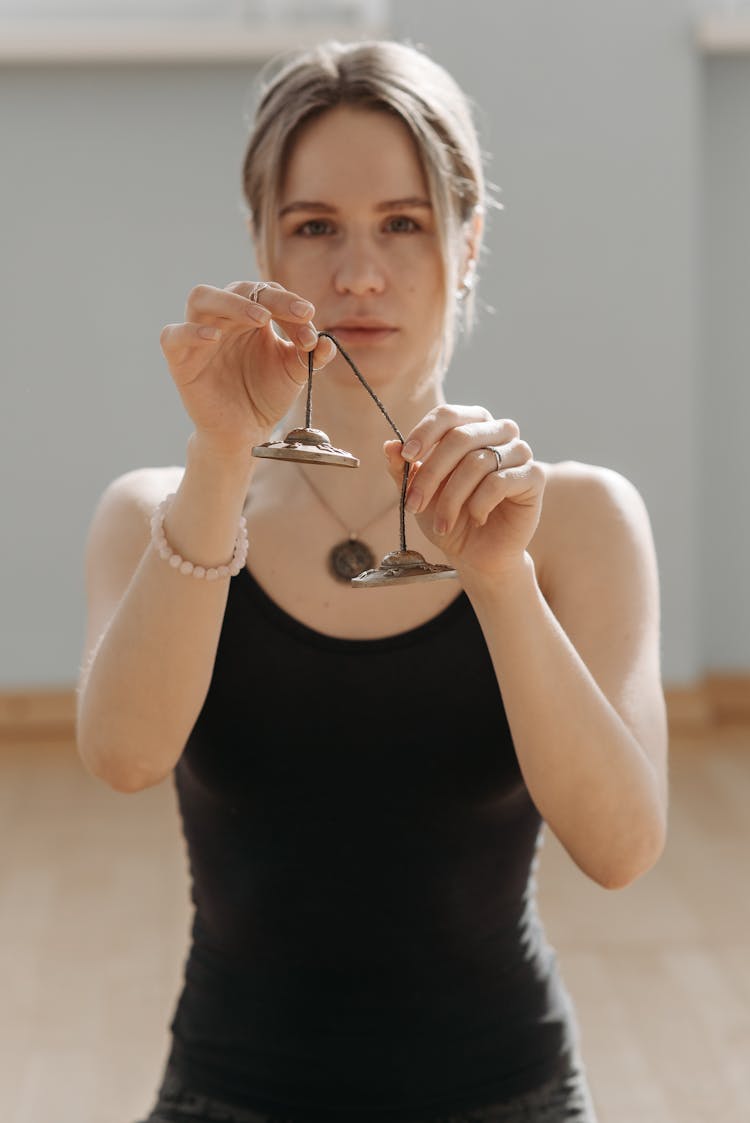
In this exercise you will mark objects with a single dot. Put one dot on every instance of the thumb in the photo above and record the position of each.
(396, 464)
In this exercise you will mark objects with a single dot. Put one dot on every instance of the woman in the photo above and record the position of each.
(363, 775)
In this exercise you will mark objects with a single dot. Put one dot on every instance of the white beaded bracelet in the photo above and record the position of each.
(212, 573)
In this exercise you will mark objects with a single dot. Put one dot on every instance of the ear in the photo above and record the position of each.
(473, 240)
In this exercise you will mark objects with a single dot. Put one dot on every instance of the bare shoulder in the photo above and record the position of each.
(591, 515)
(119, 529)
(138, 490)
(572, 485)
(129, 499)
(118, 536)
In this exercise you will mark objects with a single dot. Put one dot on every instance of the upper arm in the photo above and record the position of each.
(118, 536)
(602, 584)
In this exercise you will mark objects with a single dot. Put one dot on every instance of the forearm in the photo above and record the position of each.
(150, 672)
(590, 779)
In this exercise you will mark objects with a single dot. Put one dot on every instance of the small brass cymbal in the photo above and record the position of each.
(399, 567)
(310, 445)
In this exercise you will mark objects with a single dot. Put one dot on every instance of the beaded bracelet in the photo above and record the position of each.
(212, 573)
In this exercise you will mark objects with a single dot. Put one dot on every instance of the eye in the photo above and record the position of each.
(402, 224)
(314, 227)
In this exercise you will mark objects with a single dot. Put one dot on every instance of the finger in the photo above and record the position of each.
(206, 303)
(296, 358)
(446, 445)
(439, 421)
(285, 307)
(290, 311)
(177, 340)
(471, 472)
(305, 338)
(395, 462)
(522, 485)
(234, 307)
(323, 350)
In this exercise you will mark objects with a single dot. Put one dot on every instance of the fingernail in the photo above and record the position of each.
(414, 500)
(301, 308)
(440, 526)
(308, 335)
(410, 450)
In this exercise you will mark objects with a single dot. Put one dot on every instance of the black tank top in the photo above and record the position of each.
(362, 847)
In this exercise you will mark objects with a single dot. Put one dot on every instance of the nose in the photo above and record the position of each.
(359, 270)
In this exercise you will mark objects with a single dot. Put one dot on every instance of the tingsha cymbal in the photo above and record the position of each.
(310, 445)
(401, 566)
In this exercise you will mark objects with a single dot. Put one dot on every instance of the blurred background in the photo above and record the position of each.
(614, 326)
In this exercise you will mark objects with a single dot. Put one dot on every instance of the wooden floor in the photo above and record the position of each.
(94, 915)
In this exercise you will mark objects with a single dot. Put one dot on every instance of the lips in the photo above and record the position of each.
(362, 330)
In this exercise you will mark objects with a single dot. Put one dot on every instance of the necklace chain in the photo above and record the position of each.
(324, 502)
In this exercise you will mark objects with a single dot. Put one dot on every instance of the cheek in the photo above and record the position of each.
(296, 256)
(299, 277)
(428, 280)
(431, 272)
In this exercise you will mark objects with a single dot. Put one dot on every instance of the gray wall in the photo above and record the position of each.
(723, 444)
(615, 333)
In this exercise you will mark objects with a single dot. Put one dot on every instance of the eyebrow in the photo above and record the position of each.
(328, 208)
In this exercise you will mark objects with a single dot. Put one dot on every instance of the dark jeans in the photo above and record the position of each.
(566, 1099)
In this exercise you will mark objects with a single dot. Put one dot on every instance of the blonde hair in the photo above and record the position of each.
(390, 77)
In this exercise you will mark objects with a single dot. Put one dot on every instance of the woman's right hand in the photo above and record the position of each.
(237, 378)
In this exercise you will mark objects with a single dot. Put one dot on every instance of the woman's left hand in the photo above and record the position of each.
(480, 515)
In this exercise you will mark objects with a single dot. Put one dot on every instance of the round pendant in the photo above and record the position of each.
(350, 558)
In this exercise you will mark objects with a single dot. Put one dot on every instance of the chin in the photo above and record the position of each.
(374, 366)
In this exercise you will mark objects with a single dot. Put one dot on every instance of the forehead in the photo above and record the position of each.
(353, 154)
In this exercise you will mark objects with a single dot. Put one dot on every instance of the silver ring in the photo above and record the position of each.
(256, 290)
(498, 457)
